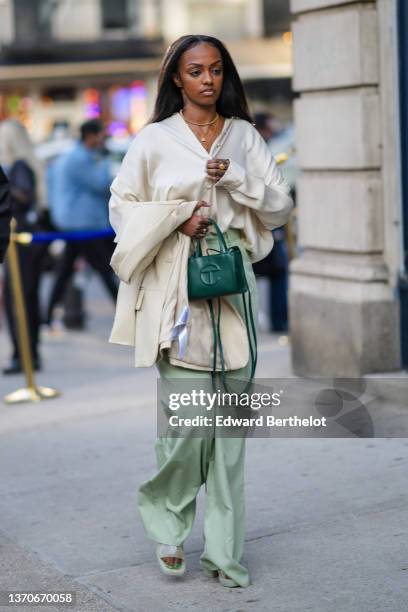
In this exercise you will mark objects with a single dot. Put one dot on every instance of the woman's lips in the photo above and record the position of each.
(208, 92)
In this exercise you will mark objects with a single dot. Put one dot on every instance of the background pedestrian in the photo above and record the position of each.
(79, 196)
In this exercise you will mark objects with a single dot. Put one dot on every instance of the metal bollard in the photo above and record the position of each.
(31, 393)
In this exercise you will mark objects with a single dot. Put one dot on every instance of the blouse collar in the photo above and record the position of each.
(178, 128)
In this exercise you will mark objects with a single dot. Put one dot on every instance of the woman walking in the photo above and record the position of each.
(198, 156)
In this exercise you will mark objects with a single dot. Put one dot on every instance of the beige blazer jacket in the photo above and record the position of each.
(158, 185)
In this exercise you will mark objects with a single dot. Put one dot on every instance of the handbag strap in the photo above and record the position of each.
(217, 341)
(220, 236)
(221, 240)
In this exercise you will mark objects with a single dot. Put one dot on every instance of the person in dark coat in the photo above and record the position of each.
(275, 265)
(5, 214)
(23, 172)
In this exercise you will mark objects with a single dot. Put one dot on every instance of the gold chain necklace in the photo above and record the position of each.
(199, 124)
(210, 126)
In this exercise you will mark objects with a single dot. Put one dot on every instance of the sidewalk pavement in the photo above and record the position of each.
(326, 518)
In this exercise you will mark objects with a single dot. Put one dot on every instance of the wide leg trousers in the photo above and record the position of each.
(167, 501)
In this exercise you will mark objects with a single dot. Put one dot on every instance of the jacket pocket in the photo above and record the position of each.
(139, 299)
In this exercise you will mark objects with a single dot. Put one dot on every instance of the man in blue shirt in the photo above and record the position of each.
(79, 183)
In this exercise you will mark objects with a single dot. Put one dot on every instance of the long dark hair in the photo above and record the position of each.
(232, 101)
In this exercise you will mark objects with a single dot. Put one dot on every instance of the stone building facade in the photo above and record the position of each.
(344, 299)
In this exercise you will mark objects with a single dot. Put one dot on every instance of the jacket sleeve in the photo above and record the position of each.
(261, 186)
(22, 187)
(140, 224)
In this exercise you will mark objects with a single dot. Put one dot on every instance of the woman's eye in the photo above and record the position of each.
(196, 73)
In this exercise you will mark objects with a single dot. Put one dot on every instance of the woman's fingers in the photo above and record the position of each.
(222, 164)
(216, 168)
(201, 227)
(197, 225)
(214, 174)
(194, 226)
(200, 231)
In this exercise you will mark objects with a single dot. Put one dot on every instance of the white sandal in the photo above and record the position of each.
(169, 550)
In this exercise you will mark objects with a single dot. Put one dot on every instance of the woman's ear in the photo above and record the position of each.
(176, 80)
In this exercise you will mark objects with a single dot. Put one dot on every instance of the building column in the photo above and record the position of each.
(343, 303)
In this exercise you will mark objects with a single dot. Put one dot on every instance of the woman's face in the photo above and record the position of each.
(200, 74)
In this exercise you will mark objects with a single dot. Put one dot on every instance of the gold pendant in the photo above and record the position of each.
(203, 139)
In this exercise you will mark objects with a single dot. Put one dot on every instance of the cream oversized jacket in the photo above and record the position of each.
(160, 181)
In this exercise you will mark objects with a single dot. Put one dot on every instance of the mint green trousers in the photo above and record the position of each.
(167, 501)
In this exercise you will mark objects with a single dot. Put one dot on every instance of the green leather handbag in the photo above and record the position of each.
(217, 275)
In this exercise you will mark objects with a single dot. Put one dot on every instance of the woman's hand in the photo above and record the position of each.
(216, 168)
(196, 225)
